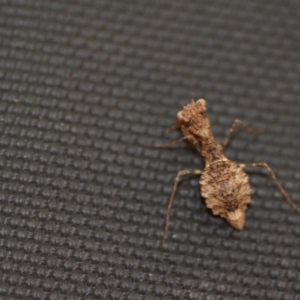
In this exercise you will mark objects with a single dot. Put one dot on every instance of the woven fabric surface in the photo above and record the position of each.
(85, 88)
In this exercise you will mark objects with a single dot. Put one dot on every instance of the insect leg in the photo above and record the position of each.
(171, 202)
(169, 145)
(171, 128)
(232, 129)
(278, 184)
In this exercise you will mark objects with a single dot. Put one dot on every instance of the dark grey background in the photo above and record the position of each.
(85, 87)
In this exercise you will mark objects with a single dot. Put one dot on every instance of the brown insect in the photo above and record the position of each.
(224, 183)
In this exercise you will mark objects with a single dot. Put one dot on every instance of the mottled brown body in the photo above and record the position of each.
(223, 183)
(226, 190)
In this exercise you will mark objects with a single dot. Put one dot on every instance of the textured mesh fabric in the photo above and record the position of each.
(85, 87)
